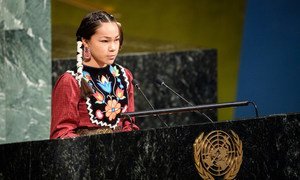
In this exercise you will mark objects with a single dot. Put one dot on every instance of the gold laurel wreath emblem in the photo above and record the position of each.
(218, 154)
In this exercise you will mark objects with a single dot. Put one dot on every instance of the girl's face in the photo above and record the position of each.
(104, 45)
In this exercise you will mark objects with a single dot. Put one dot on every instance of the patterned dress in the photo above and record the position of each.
(113, 93)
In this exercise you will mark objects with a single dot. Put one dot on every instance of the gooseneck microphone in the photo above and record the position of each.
(162, 83)
(136, 84)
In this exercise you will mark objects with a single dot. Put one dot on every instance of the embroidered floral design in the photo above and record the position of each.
(99, 114)
(112, 109)
(120, 94)
(109, 97)
(121, 85)
(124, 109)
(99, 97)
(114, 71)
(105, 84)
(87, 76)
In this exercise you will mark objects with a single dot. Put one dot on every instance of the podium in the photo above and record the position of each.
(270, 150)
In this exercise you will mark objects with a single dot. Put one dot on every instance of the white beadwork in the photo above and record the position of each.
(79, 63)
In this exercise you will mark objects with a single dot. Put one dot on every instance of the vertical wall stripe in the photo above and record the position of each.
(270, 58)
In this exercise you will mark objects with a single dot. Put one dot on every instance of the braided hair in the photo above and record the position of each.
(87, 28)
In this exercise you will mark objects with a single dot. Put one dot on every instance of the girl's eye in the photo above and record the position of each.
(117, 39)
(104, 41)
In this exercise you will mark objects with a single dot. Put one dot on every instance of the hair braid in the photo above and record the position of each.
(87, 28)
(79, 62)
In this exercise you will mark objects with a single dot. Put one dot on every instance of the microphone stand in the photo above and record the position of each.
(160, 82)
(184, 109)
(136, 84)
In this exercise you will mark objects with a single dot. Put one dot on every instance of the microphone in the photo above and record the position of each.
(162, 83)
(136, 84)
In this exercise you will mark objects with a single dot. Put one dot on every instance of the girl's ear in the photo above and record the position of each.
(84, 42)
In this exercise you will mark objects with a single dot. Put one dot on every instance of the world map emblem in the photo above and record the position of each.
(218, 154)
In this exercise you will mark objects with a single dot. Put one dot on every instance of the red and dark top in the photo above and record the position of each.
(113, 93)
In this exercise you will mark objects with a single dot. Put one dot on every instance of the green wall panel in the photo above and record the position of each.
(25, 71)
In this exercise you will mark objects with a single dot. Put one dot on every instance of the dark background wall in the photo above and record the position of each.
(270, 57)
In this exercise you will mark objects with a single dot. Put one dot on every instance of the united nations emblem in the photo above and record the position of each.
(218, 155)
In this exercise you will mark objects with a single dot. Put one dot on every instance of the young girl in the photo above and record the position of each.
(88, 100)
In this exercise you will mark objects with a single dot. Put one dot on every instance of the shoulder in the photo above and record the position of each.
(67, 79)
(127, 71)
